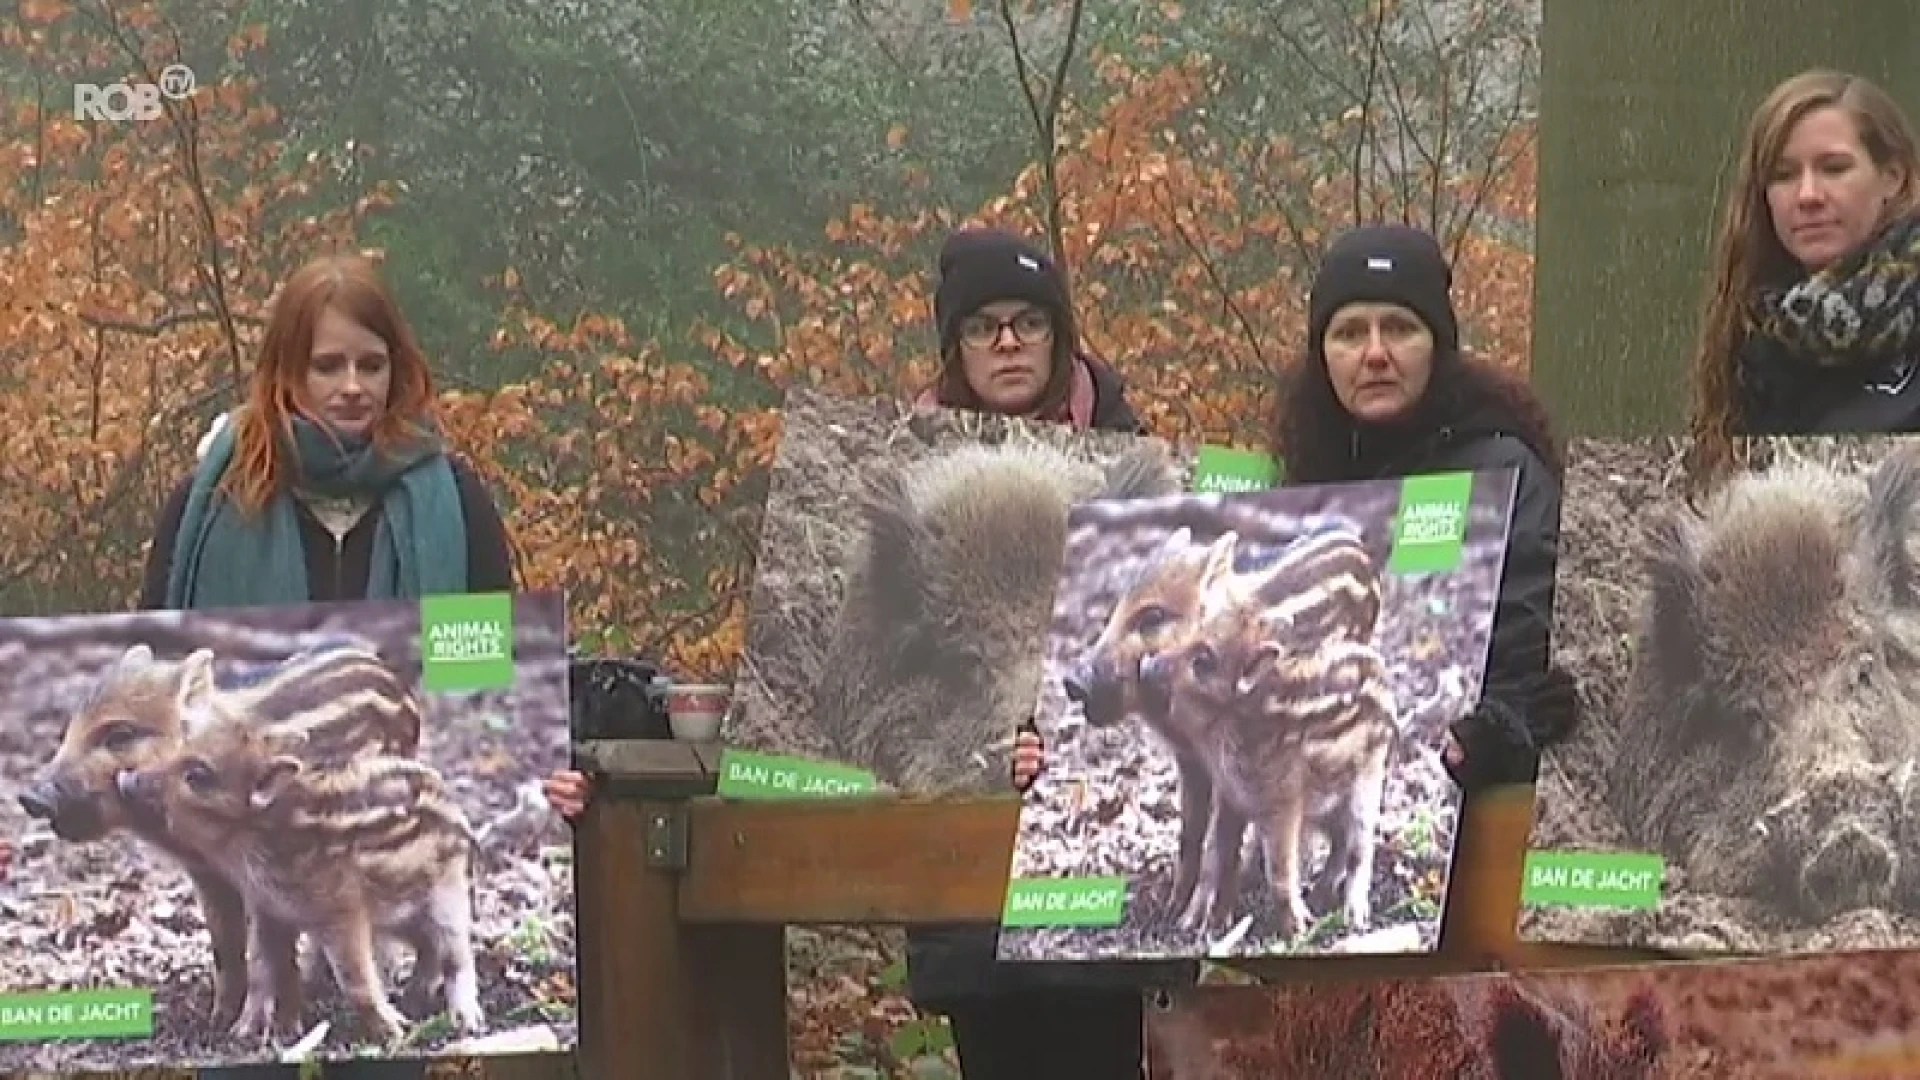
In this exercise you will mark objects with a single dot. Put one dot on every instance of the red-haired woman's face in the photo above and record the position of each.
(349, 374)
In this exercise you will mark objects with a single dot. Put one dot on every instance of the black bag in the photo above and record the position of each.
(615, 698)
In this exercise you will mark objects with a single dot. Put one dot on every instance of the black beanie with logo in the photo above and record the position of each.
(981, 266)
(1391, 264)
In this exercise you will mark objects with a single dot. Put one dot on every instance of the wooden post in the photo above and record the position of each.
(662, 999)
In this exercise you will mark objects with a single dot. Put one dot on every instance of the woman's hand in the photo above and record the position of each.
(567, 792)
(1029, 756)
(1499, 741)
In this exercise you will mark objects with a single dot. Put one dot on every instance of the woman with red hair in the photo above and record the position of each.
(331, 482)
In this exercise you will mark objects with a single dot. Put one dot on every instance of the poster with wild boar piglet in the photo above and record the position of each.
(1742, 780)
(265, 834)
(1245, 702)
(907, 563)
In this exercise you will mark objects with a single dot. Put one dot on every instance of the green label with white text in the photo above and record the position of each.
(76, 1014)
(1431, 524)
(1222, 469)
(1083, 901)
(747, 775)
(1593, 879)
(466, 641)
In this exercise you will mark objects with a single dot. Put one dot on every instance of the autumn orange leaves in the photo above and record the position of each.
(631, 464)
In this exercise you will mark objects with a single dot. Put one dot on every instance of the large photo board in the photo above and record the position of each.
(907, 566)
(310, 831)
(1800, 1018)
(1244, 703)
(1742, 781)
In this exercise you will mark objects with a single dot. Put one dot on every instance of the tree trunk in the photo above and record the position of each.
(1642, 104)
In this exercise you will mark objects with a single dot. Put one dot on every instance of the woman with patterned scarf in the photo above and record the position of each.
(329, 484)
(1812, 322)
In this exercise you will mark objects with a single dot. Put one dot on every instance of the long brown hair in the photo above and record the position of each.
(351, 285)
(1747, 254)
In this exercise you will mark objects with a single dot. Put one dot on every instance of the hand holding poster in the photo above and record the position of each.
(1266, 666)
(1743, 779)
(200, 797)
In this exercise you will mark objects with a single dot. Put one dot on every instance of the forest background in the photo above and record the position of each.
(621, 228)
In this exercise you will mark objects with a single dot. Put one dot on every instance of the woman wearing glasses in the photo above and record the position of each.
(1008, 345)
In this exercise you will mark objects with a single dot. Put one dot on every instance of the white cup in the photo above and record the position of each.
(694, 710)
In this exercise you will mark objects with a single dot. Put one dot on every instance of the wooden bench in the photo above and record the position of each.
(685, 898)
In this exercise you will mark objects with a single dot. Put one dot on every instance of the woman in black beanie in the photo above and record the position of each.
(1008, 345)
(1385, 391)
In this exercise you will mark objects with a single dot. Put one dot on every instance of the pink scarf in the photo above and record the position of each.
(1077, 411)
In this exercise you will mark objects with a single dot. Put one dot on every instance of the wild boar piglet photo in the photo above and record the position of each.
(348, 851)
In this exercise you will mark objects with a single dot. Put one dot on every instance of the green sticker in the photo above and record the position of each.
(466, 641)
(76, 1014)
(1593, 879)
(1224, 469)
(747, 775)
(1431, 524)
(1083, 901)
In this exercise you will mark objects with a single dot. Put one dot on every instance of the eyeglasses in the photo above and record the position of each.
(1030, 327)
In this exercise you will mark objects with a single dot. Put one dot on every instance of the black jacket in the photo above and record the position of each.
(1110, 409)
(949, 963)
(1472, 418)
(1523, 614)
(1781, 395)
(338, 572)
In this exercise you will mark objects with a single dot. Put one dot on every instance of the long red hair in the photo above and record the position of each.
(351, 285)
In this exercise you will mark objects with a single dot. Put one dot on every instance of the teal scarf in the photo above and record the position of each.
(224, 558)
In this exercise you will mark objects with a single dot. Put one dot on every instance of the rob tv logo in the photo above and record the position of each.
(120, 102)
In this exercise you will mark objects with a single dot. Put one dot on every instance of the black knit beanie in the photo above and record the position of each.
(981, 266)
(1392, 264)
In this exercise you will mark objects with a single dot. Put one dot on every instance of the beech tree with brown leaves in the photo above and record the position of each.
(141, 256)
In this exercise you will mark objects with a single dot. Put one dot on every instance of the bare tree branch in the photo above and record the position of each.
(165, 323)
(1376, 44)
(1272, 189)
(1404, 136)
(183, 115)
(1491, 169)
(1310, 60)
(1227, 301)
(1406, 123)
(1443, 141)
(1046, 118)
